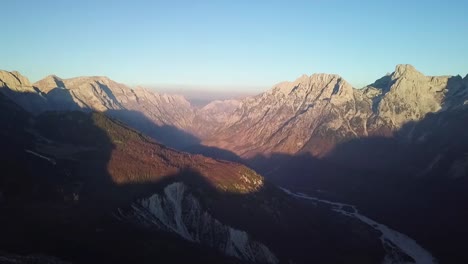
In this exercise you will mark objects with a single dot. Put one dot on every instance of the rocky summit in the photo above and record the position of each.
(158, 115)
(315, 113)
(311, 114)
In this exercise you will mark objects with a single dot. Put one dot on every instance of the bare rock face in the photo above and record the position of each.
(48, 83)
(409, 95)
(93, 93)
(160, 115)
(163, 109)
(179, 212)
(311, 114)
(316, 113)
(15, 81)
(167, 118)
(286, 118)
(212, 116)
(18, 88)
(103, 94)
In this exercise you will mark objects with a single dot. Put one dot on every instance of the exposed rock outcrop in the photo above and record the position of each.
(311, 114)
(15, 81)
(158, 115)
(286, 118)
(180, 212)
(212, 116)
(18, 88)
(315, 113)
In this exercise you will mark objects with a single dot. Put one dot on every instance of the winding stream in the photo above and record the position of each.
(397, 245)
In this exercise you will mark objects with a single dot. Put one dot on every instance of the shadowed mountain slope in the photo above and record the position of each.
(91, 188)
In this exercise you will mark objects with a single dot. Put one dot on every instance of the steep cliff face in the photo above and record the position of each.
(162, 116)
(314, 114)
(166, 118)
(163, 109)
(408, 95)
(15, 81)
(103, 94)
(18, 88)
(178, 211)
(311, 114)
(48, 83)
(292, 114)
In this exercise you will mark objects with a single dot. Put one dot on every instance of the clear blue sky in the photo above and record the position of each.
(232, 43)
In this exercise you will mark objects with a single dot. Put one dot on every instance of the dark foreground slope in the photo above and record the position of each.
(415, 181)
(397, 149)
(86, 189)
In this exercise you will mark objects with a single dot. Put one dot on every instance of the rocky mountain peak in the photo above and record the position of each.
(408, 70)
(15, 81)
(324, 77)
(271, 120)
(48, 83)
(81, 82)
(52, 81)
(408, 95)
(312, 112)
(402, 71)
(316, 112)
(18, 88)
(318, 84)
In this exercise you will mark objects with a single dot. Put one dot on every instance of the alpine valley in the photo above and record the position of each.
(310, 171)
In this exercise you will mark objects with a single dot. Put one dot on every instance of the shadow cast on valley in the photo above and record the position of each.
(414, 181)
(164, 134)
(66, 208)
(59, 198)
(60, 99)
(67, 173)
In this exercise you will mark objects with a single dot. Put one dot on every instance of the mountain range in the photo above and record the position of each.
(396, 148)
(311, 114)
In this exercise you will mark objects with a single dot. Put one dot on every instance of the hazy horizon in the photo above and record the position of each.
(200, 96)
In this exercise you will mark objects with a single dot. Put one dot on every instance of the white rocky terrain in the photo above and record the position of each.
(179, 212)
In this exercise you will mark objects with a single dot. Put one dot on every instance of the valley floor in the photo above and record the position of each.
(399, 247)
